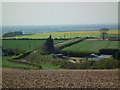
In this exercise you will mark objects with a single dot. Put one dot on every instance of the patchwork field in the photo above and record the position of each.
(59, 35)
(92, 46)
(19, 78)
(24, 78)
(24, 44)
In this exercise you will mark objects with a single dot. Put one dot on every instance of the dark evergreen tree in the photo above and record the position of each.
(48, 46)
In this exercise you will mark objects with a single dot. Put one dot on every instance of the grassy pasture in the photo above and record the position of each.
(24, 44)
(91, 46)
(5, 63)
(59, 35)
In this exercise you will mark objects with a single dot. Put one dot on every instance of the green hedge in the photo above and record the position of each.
(22, 55)
(76, 54)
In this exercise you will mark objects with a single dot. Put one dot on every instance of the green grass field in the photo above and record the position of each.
(5, 63)
(24, 44)
(8, 64)
(92, 46)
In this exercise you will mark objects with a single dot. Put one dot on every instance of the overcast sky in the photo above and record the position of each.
(59, 13)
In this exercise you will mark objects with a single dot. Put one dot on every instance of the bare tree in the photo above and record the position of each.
(104, 32)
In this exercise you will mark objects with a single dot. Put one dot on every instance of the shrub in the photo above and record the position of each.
(76, 54)
(117, 55)
(11, 51)
(110, 63)
(69, 65)
(109, 51)
(87, 64)
(23, 55)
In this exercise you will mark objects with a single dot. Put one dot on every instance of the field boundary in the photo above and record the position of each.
(68, 43)
(31, 39)
(26, 63)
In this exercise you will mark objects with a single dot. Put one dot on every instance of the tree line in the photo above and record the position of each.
(12, 34)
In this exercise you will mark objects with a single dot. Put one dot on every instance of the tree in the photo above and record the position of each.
(104, 32)
(13, 34)
(48, 46)
(109, 51)
(117, 55)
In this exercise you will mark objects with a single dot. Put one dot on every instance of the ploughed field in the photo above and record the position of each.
(21, 78)
(92, 46)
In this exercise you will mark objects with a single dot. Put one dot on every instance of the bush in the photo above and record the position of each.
(69, 65)
(87, 64)
(37, 58)
(117, 55)
(11, 51)
(109, 51)
(76, 54)
(110, 63)
(23, 55)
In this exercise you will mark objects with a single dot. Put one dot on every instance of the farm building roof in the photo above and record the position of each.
(105, 56)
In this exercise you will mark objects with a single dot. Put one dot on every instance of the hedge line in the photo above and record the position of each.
(68, 43)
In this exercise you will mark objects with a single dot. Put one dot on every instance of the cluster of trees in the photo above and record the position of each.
(114, 52)
(12, 34)
(11, 51)
(110, 63)
(75, 54)
(15, 52)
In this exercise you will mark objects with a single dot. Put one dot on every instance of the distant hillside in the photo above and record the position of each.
(12, 34)
(57, 28)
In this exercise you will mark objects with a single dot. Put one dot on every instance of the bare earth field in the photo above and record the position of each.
(19, 78)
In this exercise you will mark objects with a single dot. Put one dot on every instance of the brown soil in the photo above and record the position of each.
(19, 78)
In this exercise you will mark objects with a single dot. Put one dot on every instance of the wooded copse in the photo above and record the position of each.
(13, 34)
